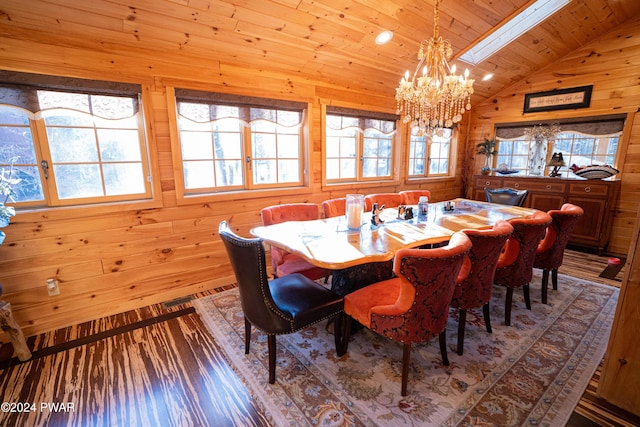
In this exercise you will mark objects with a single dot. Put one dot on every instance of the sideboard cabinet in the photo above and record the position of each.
(597, 198)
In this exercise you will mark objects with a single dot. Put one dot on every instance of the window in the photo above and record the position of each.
(227, 146)
(72, 146)
(587, 142)
(358, 147)
(429, 156)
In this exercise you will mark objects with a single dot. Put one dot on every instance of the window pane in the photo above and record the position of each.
(30, 188)
(229, 173)
(196, 145)
(72, 145)
(13, 116)
(198, 175)
(264, 145)
(289, 146)
(288, 171)
(333, 168)
(78, 181)
(119, 145)
(264, 172)
(123, 178)
(227, 145)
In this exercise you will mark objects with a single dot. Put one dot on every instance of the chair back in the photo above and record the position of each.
(430, 274)
(412, 197)
(550, 251)
(289, 212)
(474, 290)
(515, 265)
(334, 207)
(390, 200)
(247, 257)
(505, 196)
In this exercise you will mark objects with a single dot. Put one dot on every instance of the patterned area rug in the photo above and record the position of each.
(531, 373)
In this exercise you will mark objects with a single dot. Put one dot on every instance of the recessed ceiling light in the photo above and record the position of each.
(487, 76)
(384, 37)
(511, 30)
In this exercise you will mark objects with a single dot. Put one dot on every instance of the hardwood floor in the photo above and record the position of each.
(159, 366)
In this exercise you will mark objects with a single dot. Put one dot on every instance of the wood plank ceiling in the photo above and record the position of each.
(324, 40)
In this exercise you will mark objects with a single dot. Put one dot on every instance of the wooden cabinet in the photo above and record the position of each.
(596, 197)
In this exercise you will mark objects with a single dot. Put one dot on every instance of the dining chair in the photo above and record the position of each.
(283, 262)
(389, 200)
(334, 207)
(412, 307)
(411, 197)
(515, 264)
(475, 281)
(505, 196)
(550, 252)
(279, 306)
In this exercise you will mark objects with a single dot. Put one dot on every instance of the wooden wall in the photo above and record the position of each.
(110, 262)
(612, 65)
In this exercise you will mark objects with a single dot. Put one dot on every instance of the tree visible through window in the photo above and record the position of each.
(73, 147)
(232, 147)
(358, 148)
(429, 156)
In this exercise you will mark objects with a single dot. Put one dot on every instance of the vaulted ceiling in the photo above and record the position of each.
(327, 40)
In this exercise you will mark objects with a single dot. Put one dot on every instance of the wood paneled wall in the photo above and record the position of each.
(111, 262)
(612, 65)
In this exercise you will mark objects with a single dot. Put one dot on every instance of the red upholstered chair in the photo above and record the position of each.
(515, 265)
(411, 197)
(475, 281)
(283, 262)
(414, 306)
(551, 249)
(390, 200)
(334, 207)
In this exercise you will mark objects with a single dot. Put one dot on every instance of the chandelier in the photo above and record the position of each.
(438, 98)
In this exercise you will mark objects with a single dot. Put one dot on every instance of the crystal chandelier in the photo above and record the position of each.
(438, 98)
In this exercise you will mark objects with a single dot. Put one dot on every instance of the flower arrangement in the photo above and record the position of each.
(488, 148)
(7, 182)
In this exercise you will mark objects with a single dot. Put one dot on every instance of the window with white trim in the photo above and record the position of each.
(358, 148)
(227, 146)
(73, 146)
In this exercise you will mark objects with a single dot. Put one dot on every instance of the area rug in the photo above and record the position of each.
(530, 373)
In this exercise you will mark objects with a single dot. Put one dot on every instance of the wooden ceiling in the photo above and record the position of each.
(322, 40)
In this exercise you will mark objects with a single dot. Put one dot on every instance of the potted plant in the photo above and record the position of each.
(7, 181)
(488, 149)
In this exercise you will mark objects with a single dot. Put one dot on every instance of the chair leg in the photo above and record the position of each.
(545, 283)
(507, 306)
(406, 362)
(346, 333)
(461, 325)
(338, 333)
(247, 335)
(487, 317)
(443, 348)
(554, 279)
(527, 300)
(271, 340)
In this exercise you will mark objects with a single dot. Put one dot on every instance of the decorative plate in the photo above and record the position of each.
(506, 171)
(596, 172)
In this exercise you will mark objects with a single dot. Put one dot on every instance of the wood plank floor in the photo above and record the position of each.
(159, 366)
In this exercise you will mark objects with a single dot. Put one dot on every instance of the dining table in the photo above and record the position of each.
(364, 255)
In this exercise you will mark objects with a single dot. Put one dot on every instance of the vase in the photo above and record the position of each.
(537, 157)
(486, 169)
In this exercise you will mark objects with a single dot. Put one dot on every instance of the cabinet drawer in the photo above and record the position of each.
(489, 182)
(553, 186)
(587, 188)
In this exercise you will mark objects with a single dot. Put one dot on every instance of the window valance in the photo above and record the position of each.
(599, 125)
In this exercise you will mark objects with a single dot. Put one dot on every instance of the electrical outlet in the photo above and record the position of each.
(52, 287)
